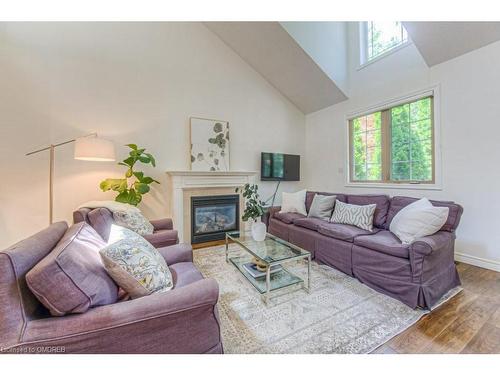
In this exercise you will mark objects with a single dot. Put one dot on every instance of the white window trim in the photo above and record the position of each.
(363, 47)
(438, 184)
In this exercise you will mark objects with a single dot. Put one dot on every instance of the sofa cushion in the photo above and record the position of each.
(184, 273)
(135, 264)
(382, 202)
(397, 203)
(312, 223)
(310, 196)
(72, 278)
(343, 232)
(288, 217)
(384, 242)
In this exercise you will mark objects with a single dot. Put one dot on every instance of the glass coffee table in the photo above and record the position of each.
(272, 254)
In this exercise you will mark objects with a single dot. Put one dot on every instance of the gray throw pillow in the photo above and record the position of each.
(322, 206)
(134, 264)
(359, 216)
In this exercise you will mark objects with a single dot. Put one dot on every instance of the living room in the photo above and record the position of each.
(192, 185)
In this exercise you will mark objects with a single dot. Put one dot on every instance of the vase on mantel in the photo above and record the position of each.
(258, 230)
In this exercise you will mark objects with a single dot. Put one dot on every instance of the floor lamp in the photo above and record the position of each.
(89, 147)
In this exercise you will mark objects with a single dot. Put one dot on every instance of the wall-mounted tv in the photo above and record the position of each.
(279, 167)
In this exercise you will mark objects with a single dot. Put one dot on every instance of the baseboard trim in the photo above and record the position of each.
(477, 261)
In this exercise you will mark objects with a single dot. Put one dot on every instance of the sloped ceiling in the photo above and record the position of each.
(438, 42)
(272, 52)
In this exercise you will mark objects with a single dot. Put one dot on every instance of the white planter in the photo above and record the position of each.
(258, 230)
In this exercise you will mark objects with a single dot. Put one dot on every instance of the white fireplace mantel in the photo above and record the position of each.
(180, 181)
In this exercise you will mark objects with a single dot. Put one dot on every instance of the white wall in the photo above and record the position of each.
(470, 131)
(132, 83)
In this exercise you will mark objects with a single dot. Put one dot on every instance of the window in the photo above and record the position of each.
(394, 145)
(378, 38)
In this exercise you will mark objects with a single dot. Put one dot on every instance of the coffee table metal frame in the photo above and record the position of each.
(301, 254)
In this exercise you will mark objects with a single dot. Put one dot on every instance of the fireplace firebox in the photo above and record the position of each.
(213, 216)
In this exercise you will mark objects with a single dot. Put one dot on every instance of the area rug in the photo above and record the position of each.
(340, 315)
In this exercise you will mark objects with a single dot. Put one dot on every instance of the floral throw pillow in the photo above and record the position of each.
(134, 221)
(134, 264)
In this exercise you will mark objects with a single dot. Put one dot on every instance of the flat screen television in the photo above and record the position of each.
(279, 167)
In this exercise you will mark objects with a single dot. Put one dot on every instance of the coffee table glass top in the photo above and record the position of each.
(271, 250)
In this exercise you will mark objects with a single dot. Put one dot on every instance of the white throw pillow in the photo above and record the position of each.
(294, 202)
(418, 219)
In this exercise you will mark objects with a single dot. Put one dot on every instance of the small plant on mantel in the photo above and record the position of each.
(131, 193)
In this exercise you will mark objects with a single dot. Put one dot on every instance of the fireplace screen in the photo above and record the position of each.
(212, 216)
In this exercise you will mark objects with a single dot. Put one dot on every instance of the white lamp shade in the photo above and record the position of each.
(94, 149)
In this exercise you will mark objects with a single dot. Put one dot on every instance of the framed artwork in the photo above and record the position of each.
(209, 144)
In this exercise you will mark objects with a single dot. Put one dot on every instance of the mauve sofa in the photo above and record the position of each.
(417, 274)
(182, 320)
(101, 220)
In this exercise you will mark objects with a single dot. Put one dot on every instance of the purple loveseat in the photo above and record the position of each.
(101, 220)
(417, 274)
(182, 320)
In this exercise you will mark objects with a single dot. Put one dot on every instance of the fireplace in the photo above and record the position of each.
(212, 216)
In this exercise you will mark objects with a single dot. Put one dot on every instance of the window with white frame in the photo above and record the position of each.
(394, 144)
(378, 38)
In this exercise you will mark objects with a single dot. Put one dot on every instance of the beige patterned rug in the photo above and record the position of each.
(340, 315)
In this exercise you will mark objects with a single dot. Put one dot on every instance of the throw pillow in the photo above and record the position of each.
(359, 216)
(134, 221)
(294, 202)
(322, 206)
(135, 265)
(418, 219)
(72, 278)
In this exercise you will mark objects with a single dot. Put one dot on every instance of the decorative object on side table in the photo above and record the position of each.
(209, 145)
(253, 210)
(131, 194)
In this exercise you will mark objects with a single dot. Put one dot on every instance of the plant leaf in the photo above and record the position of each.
(132, 146)
(130, 161)
(115, 184)
(151, 159)
(139, 176)
(141, 188)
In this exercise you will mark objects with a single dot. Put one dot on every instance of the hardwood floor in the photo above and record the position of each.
(468, 323)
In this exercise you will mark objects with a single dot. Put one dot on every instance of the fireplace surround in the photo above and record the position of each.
(182, 185)
(214, 215)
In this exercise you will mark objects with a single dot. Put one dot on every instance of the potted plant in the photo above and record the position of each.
(131, 194)
(253, 211)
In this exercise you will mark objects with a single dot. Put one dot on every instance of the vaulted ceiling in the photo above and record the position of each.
(275, 54)
(438, 42)
(307, 61)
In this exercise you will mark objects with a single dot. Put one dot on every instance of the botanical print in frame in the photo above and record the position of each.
(209, 145)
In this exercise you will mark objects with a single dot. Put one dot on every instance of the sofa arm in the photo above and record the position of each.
(182, 320)
(427, 245)
(162, 224)
(273, 210)
(177, 253)
(431, 254)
